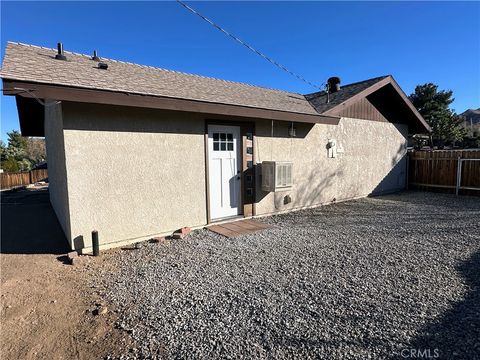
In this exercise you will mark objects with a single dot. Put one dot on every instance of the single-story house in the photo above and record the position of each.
(136, 151)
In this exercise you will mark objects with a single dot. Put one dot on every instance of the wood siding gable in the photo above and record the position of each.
(363, 109)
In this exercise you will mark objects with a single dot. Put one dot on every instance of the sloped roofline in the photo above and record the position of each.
(323, 92)
(371, 89)
(92, 90)
(37, 66)
(6, 75)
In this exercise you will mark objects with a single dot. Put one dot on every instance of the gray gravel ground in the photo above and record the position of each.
(386, 277)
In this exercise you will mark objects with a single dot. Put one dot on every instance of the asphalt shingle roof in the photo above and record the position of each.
(23, 62)
(31, 63)
(319, 99)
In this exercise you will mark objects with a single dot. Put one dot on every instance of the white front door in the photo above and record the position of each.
(224, 170)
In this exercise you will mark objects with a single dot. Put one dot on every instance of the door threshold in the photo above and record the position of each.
(227, 218)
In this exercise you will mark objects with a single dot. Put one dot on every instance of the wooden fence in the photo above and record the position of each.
(454, 171)
(10, 180)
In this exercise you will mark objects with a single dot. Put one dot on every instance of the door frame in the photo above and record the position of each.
(226, 185)
(247, 203)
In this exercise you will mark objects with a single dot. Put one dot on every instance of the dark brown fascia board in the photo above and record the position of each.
(74, 94)
(335, 111)
(410, 105)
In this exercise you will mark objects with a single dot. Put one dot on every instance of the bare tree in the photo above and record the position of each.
(36, 150)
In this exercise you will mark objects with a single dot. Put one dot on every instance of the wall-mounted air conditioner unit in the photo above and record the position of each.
(276, 175)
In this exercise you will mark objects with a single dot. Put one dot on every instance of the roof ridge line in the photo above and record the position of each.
(376, 77)
(156, 68)
(354, 83)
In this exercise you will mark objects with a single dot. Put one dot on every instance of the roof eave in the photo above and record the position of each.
(410, 105)
(88, 95)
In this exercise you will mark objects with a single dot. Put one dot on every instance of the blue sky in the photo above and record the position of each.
(416, 42)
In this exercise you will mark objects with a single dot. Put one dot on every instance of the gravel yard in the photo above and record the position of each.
(385, 277)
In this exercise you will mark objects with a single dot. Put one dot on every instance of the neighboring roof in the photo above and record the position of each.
(471, 111)
(472, 115)
(40, 166)
(38, 64)
(319, 99)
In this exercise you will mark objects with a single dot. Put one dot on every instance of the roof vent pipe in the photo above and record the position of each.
(95, 56)
(333, 84)
(60, 55)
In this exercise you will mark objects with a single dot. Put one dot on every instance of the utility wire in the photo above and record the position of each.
(251, 48)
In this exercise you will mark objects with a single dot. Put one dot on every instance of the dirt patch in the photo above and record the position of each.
(46, 306)
(47, 311)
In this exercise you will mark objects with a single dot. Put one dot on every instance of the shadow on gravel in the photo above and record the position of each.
(449, 201)
(455, 335)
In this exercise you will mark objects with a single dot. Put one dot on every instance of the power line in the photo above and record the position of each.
(251, 48)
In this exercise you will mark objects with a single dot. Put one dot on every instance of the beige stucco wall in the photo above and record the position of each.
(373, 161)
(132, 173)
(57, 173)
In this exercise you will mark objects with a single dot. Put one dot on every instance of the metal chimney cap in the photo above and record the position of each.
(333, 84)
(334, 79)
